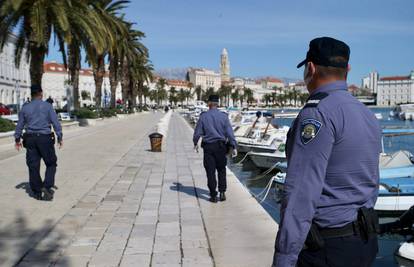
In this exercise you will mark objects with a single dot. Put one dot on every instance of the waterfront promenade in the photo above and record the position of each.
(119, 204)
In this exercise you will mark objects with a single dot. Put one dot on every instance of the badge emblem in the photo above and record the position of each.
(309, 130)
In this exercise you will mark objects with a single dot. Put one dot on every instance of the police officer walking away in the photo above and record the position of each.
(217, 135)
(333, 148)
(36, 118)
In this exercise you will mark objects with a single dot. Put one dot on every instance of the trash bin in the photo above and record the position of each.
(156, 142)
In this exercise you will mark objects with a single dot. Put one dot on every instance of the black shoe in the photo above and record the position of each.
(213, 199)
(47, 194)
(37, 196)
(222, 196)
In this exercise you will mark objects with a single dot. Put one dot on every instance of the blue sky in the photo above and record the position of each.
(266, 37)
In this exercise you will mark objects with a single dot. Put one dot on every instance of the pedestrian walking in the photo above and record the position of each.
(50, 100)
(331, 186)
(36, 118)
(217, 136)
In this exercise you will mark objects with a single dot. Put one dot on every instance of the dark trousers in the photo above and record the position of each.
(40, 147)
(350, 251)
(215, 159)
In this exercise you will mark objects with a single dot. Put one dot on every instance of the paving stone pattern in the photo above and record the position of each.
(151, 209)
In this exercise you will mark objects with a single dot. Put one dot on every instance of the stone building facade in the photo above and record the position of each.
(14, 82)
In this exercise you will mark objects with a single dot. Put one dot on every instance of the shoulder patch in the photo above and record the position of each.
(314, 100)
(309, 129)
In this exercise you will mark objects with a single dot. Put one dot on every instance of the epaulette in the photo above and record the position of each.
(313, 101)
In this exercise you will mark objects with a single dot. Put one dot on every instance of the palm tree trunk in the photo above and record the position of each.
(98, 74)
(131, 95)
(37, 57)
(113, 79)
(74, 67)
(140, 93)
(125, 82)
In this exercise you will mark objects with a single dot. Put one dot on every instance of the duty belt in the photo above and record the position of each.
(347, 230)
(36, 134)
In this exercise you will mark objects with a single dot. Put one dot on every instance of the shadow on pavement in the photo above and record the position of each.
(192, 191)
(18, 244)
(26, 187)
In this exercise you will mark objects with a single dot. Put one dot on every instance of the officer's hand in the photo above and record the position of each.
(18, 146)
(234, 153)
(60, 144)
(196, 148)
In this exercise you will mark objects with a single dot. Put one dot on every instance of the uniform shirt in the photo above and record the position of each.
(214, 126)
(36, 117)
(333, 151)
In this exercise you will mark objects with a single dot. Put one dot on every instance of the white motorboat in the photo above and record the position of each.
(404, 111)
(201, 105)
(265, 160)
(268, 141)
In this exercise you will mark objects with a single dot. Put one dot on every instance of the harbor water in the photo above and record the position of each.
(250, 176)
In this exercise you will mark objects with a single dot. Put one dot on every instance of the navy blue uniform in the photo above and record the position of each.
(333, 151)
(36, 118)
(215, 129)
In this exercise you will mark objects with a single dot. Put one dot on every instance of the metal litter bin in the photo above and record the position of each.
(156, 142)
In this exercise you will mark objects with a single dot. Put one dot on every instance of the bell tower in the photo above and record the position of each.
(225, 66)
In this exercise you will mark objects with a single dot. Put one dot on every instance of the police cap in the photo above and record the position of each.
(35, 88)
(213, 98)
(324, 51)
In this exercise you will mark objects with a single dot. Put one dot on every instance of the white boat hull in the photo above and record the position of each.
(406, 251)
(267, 160)
(394, 203)
(244, 148)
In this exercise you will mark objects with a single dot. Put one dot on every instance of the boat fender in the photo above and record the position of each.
(314, 100)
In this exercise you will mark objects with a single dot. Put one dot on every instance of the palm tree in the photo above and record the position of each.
(153, 95)
(225, 92)
(141, 73)
(235, 96)
(161, 92)
(267, 98)
(209, 91)
(86, 27)
(172, 96)
(190, 87)
(35, 22)
(181, 96)
(188, 95)
(108, 11)
(135, 66)
(248, 93)
(198, 92)
(145, 93)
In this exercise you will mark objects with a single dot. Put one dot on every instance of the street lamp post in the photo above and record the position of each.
(17, 89)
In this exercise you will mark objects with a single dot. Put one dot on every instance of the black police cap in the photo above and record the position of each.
(213, 98)
(35, 88)
(324, 51)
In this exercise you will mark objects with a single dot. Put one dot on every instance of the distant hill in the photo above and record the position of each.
(290, 80)
(172, 73)
(180, 74)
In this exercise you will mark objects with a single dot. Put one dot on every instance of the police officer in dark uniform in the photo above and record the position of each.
(36, 118)
(333, 149)
(217, 136)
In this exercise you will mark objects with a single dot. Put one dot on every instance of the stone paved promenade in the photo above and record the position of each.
(120, 205)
